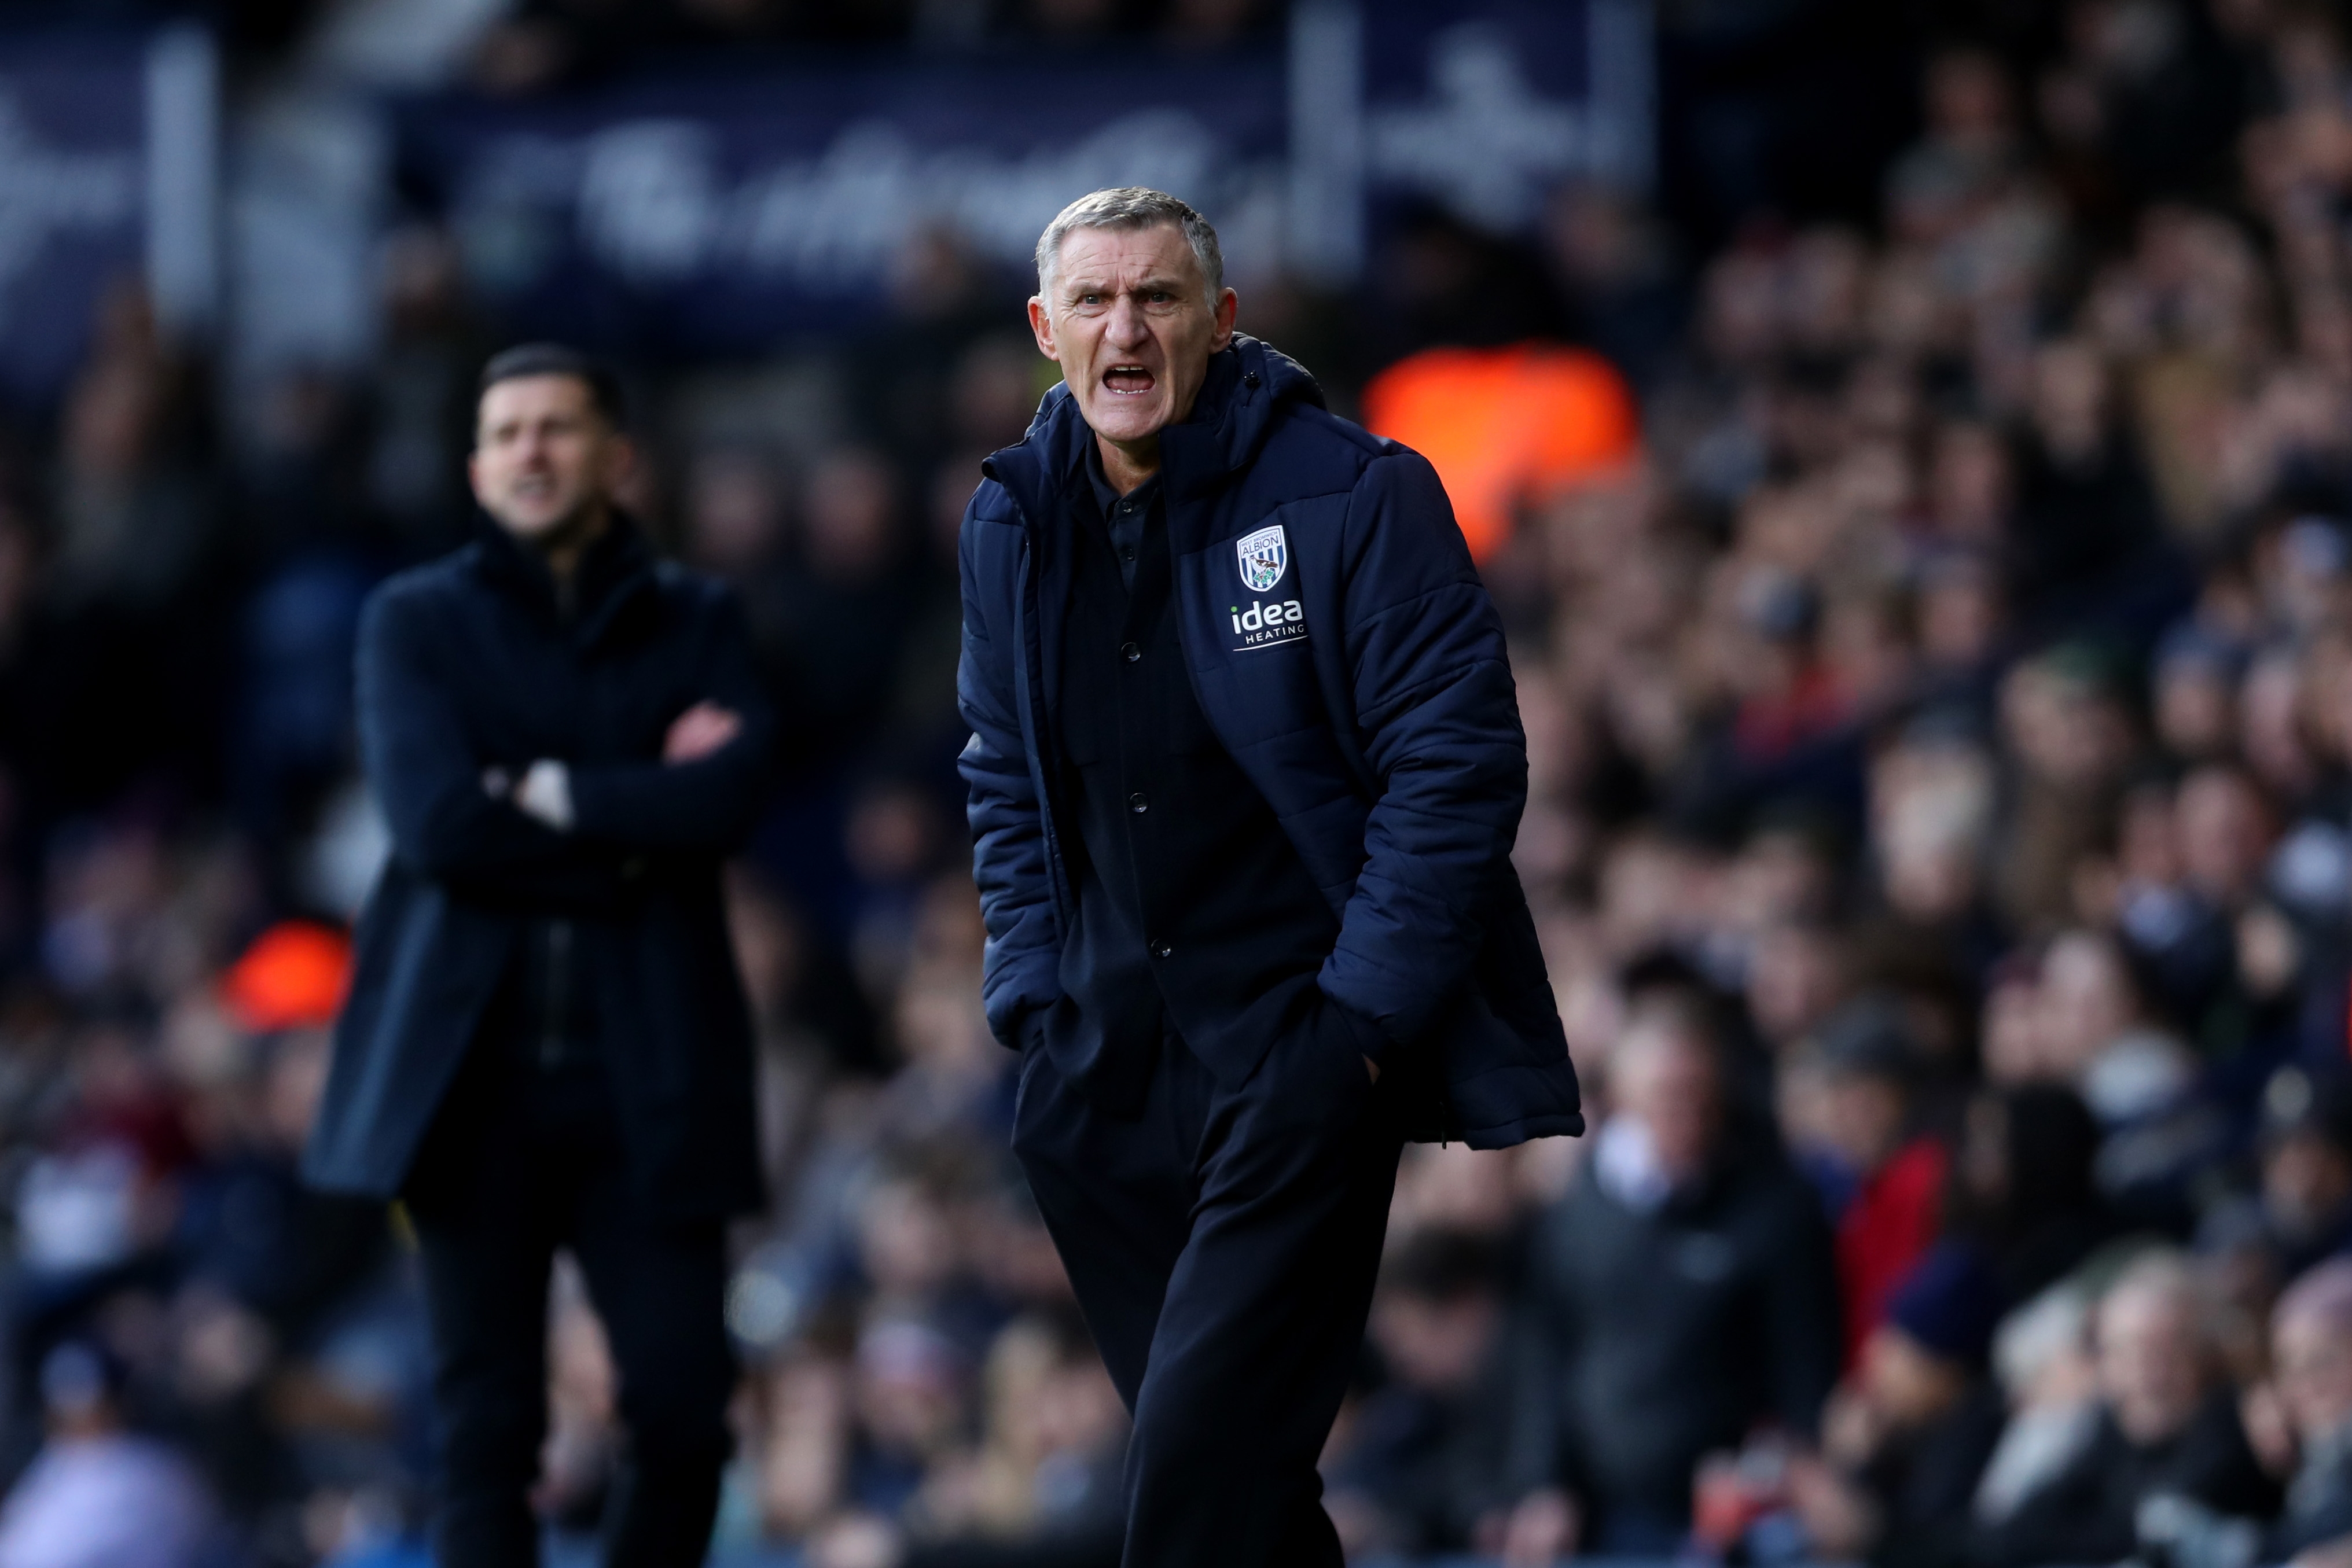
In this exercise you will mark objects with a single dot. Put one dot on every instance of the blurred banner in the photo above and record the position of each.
(106, 182)
(708, 215)
(715, 213)
(1480, 107)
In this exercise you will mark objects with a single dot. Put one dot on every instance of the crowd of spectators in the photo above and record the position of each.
(1939, 829)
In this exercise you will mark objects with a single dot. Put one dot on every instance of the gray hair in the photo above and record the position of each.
(1132, 207)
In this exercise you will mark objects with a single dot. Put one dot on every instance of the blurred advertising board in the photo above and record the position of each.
(703, 214)
(1481, 107)
(718, 211)
(107, 168)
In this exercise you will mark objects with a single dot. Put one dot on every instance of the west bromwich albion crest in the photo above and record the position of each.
(1263, 555)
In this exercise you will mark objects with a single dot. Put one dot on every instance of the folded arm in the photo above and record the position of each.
(708, 799)
(428, 778)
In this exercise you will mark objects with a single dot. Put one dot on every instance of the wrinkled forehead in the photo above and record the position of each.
(1125, 256)
(553, 395)
(2148, 1310)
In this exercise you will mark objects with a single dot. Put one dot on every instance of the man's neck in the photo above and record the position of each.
(1126, 464)
(564, 550)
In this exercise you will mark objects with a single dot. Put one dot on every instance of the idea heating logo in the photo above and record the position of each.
(1264, 623)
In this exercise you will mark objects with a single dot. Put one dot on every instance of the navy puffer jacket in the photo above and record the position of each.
(1367, 697)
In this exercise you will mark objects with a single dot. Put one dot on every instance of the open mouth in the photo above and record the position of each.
(1129, 381)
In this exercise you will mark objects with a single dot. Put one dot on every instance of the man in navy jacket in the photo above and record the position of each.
(1246, 769)
(546, 1042)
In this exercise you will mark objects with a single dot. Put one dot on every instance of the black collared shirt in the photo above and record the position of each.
(1192, 903)
(1124, 515)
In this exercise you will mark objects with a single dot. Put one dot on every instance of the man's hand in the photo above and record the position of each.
(2269, 1431)
(542, 791)
(545, 791)
(1373, 1068)
(699, 731)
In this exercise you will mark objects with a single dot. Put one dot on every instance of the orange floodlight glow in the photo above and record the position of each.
(293, 977)
(1504, 427)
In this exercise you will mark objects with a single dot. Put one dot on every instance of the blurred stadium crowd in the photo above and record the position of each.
(1940, 828)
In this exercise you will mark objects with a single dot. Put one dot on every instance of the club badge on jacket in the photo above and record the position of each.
(1265, 558)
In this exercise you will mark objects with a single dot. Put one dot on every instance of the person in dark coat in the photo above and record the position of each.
(1422, 1465)
(1906, 1439)
(2300, 1211)
(1246, 770)
(2024, 1191)
(1684, 1292)
(546, 1042)
(2169, 1427)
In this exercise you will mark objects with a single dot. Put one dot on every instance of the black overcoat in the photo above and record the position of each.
(467, 663)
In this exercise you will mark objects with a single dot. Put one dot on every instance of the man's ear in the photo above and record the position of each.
(1229, 304)
(1041, 322)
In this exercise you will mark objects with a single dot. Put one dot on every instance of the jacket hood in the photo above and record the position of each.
(1251, 385)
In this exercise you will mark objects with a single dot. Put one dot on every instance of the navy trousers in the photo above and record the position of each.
(1223, 1245)
(519, 1162)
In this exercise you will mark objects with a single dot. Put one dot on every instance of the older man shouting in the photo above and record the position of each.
(1246, 769)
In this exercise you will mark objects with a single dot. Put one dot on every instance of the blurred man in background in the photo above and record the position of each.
(98, 1496)
(1683, 1292)
(546, 1042)
(2311, 1367)
(1246, 771)
(1422, 1460)
(2168, 1427)
(1906, 1437)
(2301, 1212)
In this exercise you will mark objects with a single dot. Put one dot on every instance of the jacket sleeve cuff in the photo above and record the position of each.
(1023, 1029)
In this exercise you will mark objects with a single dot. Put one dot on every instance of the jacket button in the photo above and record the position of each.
(1138, 802)
(1129, 652)
(1162, 950)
